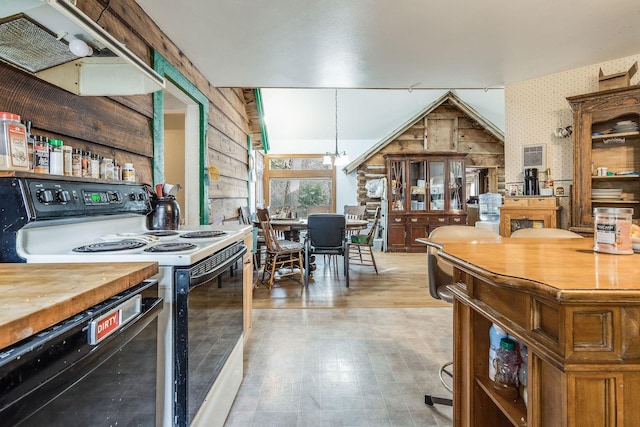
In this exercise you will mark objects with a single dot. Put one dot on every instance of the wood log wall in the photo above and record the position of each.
(120, 127)
(446, 128)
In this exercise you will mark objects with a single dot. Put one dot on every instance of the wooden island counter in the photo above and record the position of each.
(577, 311)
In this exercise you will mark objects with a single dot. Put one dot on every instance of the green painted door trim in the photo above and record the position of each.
(263, 126)
(169, 72)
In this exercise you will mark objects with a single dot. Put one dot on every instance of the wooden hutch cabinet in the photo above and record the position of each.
(425, 192)
(605, 136)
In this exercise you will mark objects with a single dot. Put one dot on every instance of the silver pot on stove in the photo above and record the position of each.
(165, 214)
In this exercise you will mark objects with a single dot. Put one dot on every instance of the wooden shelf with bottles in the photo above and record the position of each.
(425, 191)
(605, 136)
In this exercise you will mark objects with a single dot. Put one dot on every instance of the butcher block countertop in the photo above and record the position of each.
(34, 297)
(564, 269)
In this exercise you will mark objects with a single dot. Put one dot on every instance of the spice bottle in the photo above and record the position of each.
(27, 125)
(40, 154)
(56, 160)
(76, 162)
(86, 164)
(67, 160)
(117, 170)
(128, 172)
(14, 154)
(95, 166)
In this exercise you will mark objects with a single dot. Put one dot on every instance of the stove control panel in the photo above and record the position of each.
(51, 198)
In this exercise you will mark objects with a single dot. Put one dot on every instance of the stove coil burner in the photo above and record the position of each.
(161, 233)
(171, 247)
(121, 245)
(203, 234)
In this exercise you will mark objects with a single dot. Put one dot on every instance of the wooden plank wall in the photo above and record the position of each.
(483, 149)
(120, 127)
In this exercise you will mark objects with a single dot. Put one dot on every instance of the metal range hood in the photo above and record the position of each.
(35, 37)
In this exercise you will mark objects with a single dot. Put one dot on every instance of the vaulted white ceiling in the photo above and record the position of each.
(395, 43)
(420, 47)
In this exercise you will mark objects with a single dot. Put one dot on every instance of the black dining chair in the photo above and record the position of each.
(326, 236)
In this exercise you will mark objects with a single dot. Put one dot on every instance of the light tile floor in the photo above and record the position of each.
(344, 367)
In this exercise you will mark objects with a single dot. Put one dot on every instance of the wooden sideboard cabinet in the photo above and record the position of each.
(605, 134)
(528, 212)
(425, 191)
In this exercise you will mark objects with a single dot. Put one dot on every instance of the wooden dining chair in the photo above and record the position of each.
(354, 212)
(283, 257)
(316, 209)
(361, 245)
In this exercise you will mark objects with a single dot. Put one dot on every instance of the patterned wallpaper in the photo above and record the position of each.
(535, 108)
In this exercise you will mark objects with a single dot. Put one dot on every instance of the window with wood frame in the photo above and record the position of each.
(294, 182)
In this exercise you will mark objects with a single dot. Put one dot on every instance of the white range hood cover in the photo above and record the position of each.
(112, 70)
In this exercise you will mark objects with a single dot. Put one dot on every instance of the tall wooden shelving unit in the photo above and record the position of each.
(599, 142)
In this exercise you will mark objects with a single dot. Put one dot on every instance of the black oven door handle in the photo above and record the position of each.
(28, 400)
(199, 279)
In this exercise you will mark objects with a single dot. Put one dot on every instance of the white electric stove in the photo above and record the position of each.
(49, 219)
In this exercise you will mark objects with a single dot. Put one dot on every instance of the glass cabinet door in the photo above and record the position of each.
(397, 186)
(436, 186)
(456, 184)
(417, 185)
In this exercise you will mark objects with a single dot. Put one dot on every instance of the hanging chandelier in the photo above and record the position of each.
(338, 158)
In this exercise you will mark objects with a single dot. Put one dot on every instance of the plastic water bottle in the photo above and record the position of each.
(506, 379)
(496, 333)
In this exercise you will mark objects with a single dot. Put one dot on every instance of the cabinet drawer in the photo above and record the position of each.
(413, 220)
(439, 220)
(458, 220)
(397, 220)
(531, 201)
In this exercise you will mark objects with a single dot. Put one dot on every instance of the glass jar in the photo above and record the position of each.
(612, 230)
(506, 380)
(86, 164)
(40, 154)
(95, 166)
(106, 169)
(76, 162)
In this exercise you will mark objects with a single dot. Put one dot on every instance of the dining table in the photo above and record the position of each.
(293, 226)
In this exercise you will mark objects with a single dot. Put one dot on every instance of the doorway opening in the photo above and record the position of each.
(181, 151)
(180, 148)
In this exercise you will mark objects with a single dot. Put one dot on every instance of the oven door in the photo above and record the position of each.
(208, 325)
(71, 376)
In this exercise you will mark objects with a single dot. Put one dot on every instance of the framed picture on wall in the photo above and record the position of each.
(534, 156)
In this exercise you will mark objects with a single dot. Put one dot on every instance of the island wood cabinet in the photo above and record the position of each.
(583, 340)
(425, 191)
(605, 134)
(528, 212)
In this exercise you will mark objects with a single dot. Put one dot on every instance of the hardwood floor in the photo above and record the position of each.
(401, 283)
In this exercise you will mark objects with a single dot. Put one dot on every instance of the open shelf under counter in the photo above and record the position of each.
(514, 410)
